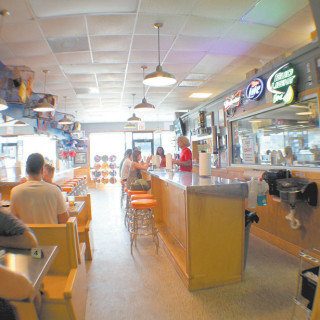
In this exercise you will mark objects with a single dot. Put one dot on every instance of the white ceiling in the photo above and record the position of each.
(102, 44)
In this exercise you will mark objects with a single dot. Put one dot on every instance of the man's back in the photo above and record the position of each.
(37, 202)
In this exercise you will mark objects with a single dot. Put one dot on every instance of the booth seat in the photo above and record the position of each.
(84, 225)
(65, 286)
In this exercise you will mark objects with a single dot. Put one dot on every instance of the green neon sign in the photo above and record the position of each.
(282, 83)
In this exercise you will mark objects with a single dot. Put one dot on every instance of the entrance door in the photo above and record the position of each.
(145, 145)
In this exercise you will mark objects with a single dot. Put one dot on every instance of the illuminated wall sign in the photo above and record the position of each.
(255, 89)
(281, 83)
(234, 101)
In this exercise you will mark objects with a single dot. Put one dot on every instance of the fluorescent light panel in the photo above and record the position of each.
(200, 95)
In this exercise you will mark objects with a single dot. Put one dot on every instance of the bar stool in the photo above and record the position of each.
(142, 221)
(123, 192)
(129, 194)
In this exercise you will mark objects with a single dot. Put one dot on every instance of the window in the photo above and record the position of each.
(288, 135)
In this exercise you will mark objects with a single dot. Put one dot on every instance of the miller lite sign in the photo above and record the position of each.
(255, 89)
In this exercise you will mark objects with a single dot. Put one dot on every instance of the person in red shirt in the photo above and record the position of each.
(160, 152)
(185, 161)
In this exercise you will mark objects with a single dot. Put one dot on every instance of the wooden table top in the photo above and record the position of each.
(20, 260)
(76, 209)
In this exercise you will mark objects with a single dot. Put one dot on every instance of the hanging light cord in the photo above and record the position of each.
(158, 44)
(144, 93)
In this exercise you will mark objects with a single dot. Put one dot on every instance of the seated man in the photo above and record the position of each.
(37, 201)
(48, 173)
(14, 234)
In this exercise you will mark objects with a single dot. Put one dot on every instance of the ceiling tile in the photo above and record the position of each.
(69, 44)
(71, 26)
(204, 27)
(171, 25)
(48, 8)
(41, 62)
(110, 56)
(29, 49)
(94, 68)
(110, 84)
(270, 13)
(212, 63)
(18, 11)
(74, 57)
(120, 24)
(265, 52)
(227, 9)
(145, 57)
(110, 43)
(184, 57)
(231, 47)
(150, 43)
(84, 84)
(302, 22)
(134, 76)
(82, 77)
(176, 7)
(110, 77)
(286, 39)
(248, 32)
(192, 43)
(13, 32)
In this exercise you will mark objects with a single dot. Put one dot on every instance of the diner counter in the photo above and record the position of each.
(192, 182)
(201, 222)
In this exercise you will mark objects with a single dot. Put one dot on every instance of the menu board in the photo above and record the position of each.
(248, 151)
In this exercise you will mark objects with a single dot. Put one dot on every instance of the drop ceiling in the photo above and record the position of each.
(94, 49)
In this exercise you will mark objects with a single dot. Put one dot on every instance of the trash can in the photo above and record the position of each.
(250, 217)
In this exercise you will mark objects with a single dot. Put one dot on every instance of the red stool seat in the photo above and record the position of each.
(131, 192)
(66, 188)
(144, 204)
(141, 196)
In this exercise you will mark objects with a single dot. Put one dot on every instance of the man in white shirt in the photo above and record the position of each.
(37, 201)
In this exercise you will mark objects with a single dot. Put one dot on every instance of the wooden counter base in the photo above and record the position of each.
(203, 234)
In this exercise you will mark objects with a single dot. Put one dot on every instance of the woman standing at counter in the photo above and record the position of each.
(160, 152)
(185, 161)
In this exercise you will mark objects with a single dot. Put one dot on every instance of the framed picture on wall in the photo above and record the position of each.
(222, 119)
(210, 120)
(81, 158)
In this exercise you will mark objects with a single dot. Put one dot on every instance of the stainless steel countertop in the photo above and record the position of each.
(192, 182)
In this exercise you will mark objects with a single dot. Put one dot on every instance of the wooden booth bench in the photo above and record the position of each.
(84, 220)
(65, 286)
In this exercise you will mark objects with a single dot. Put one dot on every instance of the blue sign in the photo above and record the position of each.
(255, 89)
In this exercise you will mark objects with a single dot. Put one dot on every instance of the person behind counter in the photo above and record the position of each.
(134, 172)
(48, 173)
(37, 201)
(160, 152)
(185, 161)
(125, 165)
(14, 234)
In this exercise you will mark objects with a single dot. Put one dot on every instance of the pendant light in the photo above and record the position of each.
(144, 105)
(3, 104)
(65, 119)
(20, 124)
(159, 78)
(133, 118)
(44, 105)
(130, 126)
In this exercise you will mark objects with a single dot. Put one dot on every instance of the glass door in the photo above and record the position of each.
(145, 146)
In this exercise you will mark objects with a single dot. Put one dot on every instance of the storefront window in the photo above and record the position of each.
(286, 136)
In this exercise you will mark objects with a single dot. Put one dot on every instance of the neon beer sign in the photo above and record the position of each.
(255, 89)
(282, 84)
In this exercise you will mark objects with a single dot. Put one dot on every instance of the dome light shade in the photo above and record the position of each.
(3, 104)
(65, 120)
(134, 118)
(130, 126)
(145, 105)
(20, 124)
(44, 106)
(159, 78)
